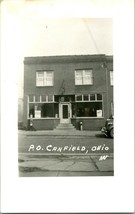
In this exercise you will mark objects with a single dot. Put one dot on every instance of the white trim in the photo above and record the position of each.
(62, 120)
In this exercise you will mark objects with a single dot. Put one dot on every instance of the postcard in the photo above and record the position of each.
(66, 69)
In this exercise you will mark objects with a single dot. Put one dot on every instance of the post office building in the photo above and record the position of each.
(70, 89)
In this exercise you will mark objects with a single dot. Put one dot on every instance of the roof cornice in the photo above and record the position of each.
(67, 59)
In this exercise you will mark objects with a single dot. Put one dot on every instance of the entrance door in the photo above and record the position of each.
(65, 112)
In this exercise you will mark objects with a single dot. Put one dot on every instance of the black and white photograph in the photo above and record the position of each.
(67, 110)
(66, 81)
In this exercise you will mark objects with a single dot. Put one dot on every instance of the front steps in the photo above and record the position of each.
(65, 127)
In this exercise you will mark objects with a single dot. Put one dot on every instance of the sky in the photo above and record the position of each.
(29, 31)
(70, 36)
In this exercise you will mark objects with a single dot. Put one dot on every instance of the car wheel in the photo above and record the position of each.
(112, 132)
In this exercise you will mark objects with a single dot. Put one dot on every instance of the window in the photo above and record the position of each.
(88, 97)
(99, 96)
(78, 97)
(44, 78)
(85, 97)
(92, 96)
(37, 98)
(31, 98)
(111, 77)
(83, 77)
(43, 110)
(50, 98)
(89, 109)
(42, 106)
(43, 98)
(90, 106)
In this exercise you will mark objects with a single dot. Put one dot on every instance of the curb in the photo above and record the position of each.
(61, 133)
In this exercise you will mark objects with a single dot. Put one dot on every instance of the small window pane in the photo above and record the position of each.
(99, 96)
(37, 98)
(78, 77)
(86, 97)
(79, 97)
(79, 73)
(40, 74)
(92, 96)
(43, 98)
(49, 78)
(88, 77)
(50, 98)
(78, 81)
(40, 79)
(31, 98)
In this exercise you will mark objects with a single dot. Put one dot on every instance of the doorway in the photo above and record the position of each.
(65, 112)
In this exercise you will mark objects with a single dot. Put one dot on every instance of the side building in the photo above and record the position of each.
(68, 89)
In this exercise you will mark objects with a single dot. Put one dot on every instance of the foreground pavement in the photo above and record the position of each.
(43, 164)
(65, 165)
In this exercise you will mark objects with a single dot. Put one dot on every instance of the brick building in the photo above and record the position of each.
(68, 90)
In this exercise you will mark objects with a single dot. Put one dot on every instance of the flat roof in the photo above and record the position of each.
(67, 59)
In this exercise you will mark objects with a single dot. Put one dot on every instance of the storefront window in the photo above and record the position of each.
(43, 110)
(88, 109)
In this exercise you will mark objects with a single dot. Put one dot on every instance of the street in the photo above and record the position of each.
(61, 154)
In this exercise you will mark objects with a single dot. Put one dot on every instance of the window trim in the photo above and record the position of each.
(83, 76)
(44, 78)
(96, 100)
(40, 101)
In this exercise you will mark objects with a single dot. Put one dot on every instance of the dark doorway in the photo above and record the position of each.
(65, 111)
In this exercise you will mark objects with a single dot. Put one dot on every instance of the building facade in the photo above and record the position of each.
(68, 89)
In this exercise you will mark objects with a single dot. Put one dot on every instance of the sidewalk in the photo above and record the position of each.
(59, 133)
(43, 164)
(65, 165)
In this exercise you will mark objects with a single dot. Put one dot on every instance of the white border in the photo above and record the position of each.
(89, 194)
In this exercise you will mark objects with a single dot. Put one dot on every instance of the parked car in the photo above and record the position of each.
(108, 129)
